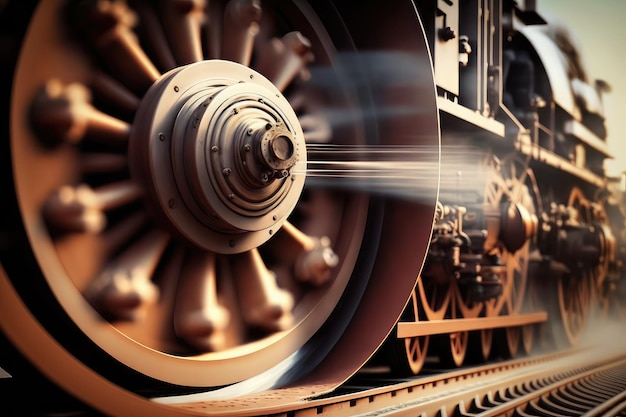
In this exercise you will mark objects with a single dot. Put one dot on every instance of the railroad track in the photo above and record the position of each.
(589, 380)
(586, 381)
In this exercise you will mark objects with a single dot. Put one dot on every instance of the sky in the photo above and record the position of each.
(601, 30)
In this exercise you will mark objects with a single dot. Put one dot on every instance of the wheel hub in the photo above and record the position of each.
(222, 154)
(517, 225)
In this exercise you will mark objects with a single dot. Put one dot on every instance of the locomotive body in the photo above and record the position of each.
(226, 197)
(522, 194)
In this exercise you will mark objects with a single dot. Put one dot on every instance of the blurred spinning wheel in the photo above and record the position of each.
(164, 235)
(576, 291)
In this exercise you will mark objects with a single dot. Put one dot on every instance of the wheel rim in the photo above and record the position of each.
(152, 349)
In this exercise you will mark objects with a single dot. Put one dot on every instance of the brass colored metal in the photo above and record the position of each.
(64, 114)
(432, 327)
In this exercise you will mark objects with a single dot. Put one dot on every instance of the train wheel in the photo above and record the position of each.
(507, 340)
(454, 346)
(167, 236)
(528, 337)
(574, 292)
(407, 356)
(480, 345)
(574, 295)
(511, 189)
(439, 301)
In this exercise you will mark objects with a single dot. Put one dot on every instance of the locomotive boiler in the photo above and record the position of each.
(206, 199)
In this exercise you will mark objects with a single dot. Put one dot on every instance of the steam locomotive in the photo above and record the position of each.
(207, 199)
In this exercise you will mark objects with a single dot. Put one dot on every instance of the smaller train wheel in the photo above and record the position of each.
(453, 347)
(407, 356)
(511, 189)
(480, 345)
(438, 301)
(574, 297)
(528, 337)
(574, 291)
(508, 341)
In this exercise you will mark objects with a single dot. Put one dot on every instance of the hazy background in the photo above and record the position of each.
(601, 29)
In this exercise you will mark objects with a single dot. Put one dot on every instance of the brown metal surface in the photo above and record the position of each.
(431, 327)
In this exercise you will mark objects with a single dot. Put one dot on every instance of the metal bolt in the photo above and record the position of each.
(231, 243)
(226, 171)
(268, 126)
(231, 196)
(176, 88)
(161, 137)
(247, 148)
(274, 217)
(172, 203)
(249, 132)
(264, 177)
(214, 148)
(235, 111)
(447, 33)
(261, 101)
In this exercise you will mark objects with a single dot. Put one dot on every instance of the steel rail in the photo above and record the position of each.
(503, 389)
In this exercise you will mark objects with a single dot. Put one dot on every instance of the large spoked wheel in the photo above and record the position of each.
(453, 347)
(510, 189)
(167, 234)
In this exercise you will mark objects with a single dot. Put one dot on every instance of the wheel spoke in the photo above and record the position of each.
(114, 93)
(64, 114)
(182, 21)
(240, 27)
(103, 163)
(126, 283)
(81, 209)
(109, 29)
(281, 60)
(153, 36)
(263, 303)
(198, 317)
(313, 258)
